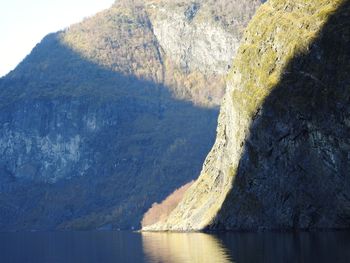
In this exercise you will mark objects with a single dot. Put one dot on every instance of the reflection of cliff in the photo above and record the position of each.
(320, 247)
(183, 247)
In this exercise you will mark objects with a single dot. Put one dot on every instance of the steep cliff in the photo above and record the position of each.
(281, 156)
(100, 120)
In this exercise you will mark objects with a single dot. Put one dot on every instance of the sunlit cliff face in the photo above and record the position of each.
(188, 47)
(267, 60)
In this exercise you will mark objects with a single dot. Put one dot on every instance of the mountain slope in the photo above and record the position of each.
(280, 159)
(100, 120)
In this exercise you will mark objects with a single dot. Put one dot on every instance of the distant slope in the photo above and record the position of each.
(102, 120)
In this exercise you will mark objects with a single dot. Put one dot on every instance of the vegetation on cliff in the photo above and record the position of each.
(159, 212)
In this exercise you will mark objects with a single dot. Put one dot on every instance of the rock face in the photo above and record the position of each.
(281, 156)
(186, 45)
(100, 120)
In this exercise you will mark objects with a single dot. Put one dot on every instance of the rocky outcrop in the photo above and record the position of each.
(186, 45)
(280, 159)
(100, 120)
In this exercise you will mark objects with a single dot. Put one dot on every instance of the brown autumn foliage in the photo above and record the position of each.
(159, 212)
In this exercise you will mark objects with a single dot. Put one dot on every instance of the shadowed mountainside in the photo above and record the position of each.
(84, 147)
(110, 115)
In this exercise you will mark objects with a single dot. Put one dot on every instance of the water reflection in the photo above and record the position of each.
(313, 247)
(183, 247)
(120, 247)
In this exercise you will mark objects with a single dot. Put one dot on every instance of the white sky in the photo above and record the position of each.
(23, 23)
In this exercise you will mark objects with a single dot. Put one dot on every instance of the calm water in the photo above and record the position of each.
(104, 247)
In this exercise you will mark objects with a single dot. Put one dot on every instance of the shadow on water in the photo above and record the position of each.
(294, 170)
(70, 247)
(321, 247)
(135, 143)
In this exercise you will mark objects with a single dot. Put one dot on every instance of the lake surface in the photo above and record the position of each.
(104, 247)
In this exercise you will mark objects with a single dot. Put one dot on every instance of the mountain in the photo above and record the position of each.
(112, 114)
(281, 156)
